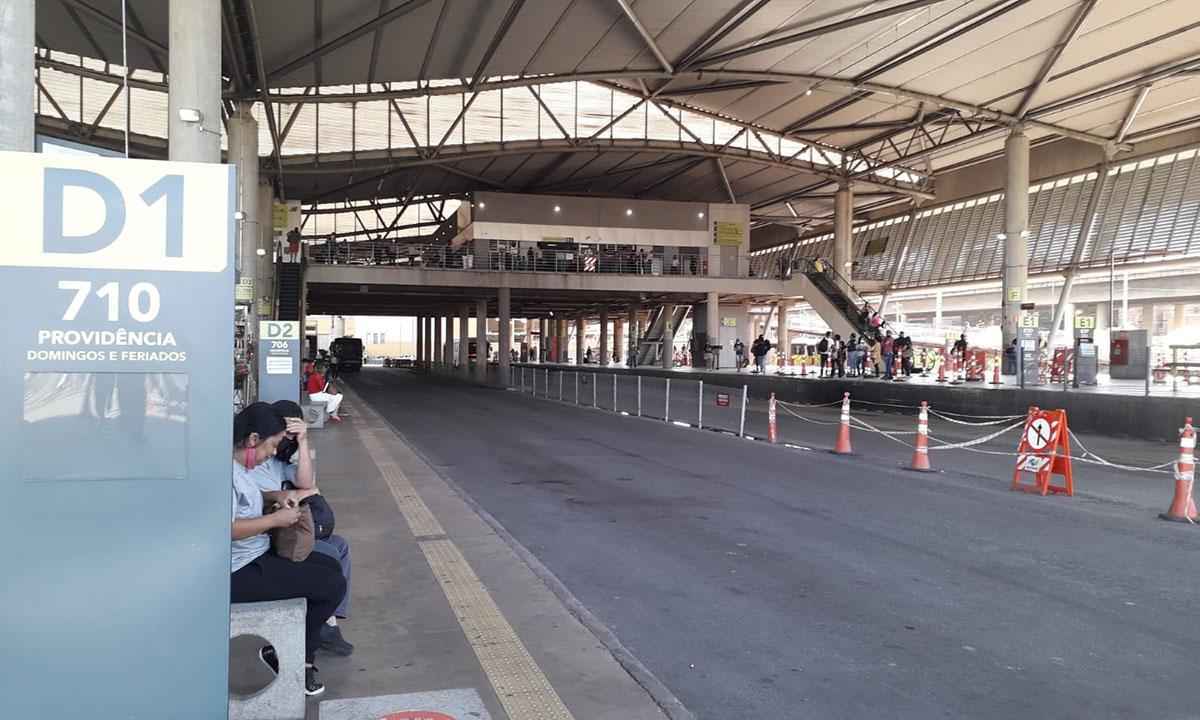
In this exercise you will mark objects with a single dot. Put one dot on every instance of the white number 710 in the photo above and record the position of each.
(140, 294)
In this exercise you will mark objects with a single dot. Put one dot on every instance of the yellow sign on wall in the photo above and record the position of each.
(1085, 322)
(727, 233)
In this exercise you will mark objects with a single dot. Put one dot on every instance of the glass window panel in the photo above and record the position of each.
(521, 115)
(483, 118)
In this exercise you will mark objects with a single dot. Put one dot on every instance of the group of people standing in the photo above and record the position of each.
(865, 355)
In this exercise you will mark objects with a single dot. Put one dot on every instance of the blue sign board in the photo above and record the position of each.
(115, 434)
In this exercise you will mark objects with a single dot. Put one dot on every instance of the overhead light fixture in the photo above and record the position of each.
(190, 115)
(1001, 236)
(482, 205)
(808, 92)
(557, 209)
(260, 252)
(628, 211)
(239, 215)
(700, 215)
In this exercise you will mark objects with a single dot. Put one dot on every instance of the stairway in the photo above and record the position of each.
(289, 283)
(836, 302)
(650, 346)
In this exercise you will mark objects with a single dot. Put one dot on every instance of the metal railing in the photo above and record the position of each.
(521, 256)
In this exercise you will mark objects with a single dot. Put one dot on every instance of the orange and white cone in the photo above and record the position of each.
(843, 438)
(804, 367)
(1183, 506)
(942, 370)
(771, 432)
(920, 459)
(996, 374)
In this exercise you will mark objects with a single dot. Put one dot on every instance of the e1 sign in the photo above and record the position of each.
(117, 385)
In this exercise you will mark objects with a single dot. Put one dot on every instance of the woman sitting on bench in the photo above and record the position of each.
(258, 575)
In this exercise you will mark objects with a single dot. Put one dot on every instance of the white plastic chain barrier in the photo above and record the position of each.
(1094, 459)
(977, 441)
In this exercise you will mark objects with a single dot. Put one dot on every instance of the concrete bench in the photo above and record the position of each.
(281, 624)
(316, 412)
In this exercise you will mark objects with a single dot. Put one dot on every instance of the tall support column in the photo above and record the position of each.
(439, 347)
(579, 340)
(449, 349)
(632, 345)
(843, 225)
(564, 355)
(712, 323)
(604, 352)
(543, 340)
(1016, 231)
(618, 340)
(243, 155)
(194, 50)
(16, 75)
(481, 351)
(782, 337)
(667, 350)
(420, 357)
(504, 313)
(264, 282)
(464, 335)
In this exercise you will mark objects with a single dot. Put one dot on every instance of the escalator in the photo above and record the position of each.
(650, 346)
(289, 290)
(833, 298)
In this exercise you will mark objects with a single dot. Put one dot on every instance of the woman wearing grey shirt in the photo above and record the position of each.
(258, 574)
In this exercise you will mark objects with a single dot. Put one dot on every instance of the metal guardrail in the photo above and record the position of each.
(519, 256)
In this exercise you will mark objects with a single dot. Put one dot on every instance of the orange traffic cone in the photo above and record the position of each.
(1183, 506)
(843, 438)
(771, 434)
(804, 367)
(942, 371)
(996, 375)
(920, 459)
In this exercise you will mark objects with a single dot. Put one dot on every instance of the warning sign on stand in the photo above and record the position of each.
(1044, 450)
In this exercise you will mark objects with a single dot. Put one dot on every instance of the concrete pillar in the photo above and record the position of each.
(504, 312)
(243, 155)
(564, 356)
(439, 347)
(420, 357)
(16, 75)
(464, 335)
(618, 340)
(604, 351)
(449, 348)
(782, 336)
(1016, 224)
(481, 351)
(632, 344)
(843, 224)
(194, 49)
(264, 281)
(667, 351)
(579, 340)
(712, 321)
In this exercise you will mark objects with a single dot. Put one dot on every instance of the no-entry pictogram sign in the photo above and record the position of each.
(1045, 450)
(722, 399)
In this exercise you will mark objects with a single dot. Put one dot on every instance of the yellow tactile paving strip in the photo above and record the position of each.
(521, 687)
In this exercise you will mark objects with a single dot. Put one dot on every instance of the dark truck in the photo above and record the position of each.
(349, 353)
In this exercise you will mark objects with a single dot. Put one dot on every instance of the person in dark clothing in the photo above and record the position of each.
(960, 348)
(823, 349)
(759, 349)
(837, 354)
(739, 351)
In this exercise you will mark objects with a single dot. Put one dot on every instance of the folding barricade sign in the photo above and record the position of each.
(1044, 450)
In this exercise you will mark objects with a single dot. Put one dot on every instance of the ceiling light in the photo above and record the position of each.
(700, 215)
(557, 209)
(260, 252)
(628, 211)
(808, 91)
(1001, 236)
(190, 115)
(482, 205)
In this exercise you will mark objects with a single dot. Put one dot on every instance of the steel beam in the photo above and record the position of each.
(1052, 58)
(344, 39)
(725, 180)
(646, 36)
(115, 24)
(1130, 116)
(732, 21)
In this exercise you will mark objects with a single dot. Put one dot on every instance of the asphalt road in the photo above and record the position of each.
(763, 582)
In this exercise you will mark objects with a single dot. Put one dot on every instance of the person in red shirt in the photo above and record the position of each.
(888, 348)
(319, 390)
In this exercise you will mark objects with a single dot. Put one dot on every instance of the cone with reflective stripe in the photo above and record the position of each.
(920, 459)
(843, 438)
(1183, 506)
(942, 370)
(996, 374)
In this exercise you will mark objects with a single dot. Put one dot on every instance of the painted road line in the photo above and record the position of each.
(521, 687)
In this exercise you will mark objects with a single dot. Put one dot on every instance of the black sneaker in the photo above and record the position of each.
(333, 643)
(266, 653)
(311, 685)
